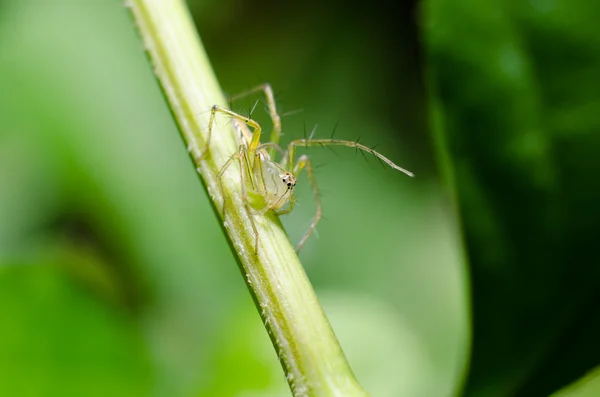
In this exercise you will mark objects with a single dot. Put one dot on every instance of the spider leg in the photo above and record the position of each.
(247, 204)
(288, 159)
(252, 139)
(235, 156)
(292, 203)
(241, 157)
(272, 145)
(304, 163)
(270, 96)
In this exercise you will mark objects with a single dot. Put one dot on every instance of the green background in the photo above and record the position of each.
(479, 277)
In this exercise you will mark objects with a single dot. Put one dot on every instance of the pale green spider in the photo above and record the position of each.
(268, 185)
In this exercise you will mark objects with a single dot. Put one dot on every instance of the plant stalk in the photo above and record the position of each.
(312, 359)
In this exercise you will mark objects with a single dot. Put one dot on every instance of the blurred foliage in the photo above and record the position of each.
(115, 276)
(517, 89)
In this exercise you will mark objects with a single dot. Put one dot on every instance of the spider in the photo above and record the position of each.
(269, 185)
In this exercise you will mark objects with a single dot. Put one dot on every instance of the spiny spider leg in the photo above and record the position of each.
(289, 157)
(241, 157)
(304, 163)
(253, 139)
(270, 96)
(245, 200)
(235, 156)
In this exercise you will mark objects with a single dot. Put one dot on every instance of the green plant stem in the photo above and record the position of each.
(309, 352)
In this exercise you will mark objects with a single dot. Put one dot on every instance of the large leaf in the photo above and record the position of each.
(59, 340)
(517, 89)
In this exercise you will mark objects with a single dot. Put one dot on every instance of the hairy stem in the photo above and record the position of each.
(309, 352)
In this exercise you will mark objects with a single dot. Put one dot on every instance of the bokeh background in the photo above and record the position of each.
(479, 277)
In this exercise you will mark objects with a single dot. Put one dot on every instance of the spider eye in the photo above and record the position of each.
(289, 184)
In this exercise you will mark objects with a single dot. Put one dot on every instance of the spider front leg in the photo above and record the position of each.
(270, 96)
(235, 156)
(253, 139)
(304, 163)
(241, 157)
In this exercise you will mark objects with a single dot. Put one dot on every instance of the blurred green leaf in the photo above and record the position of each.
(59, 340)
(518, 87)
(588, 386)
